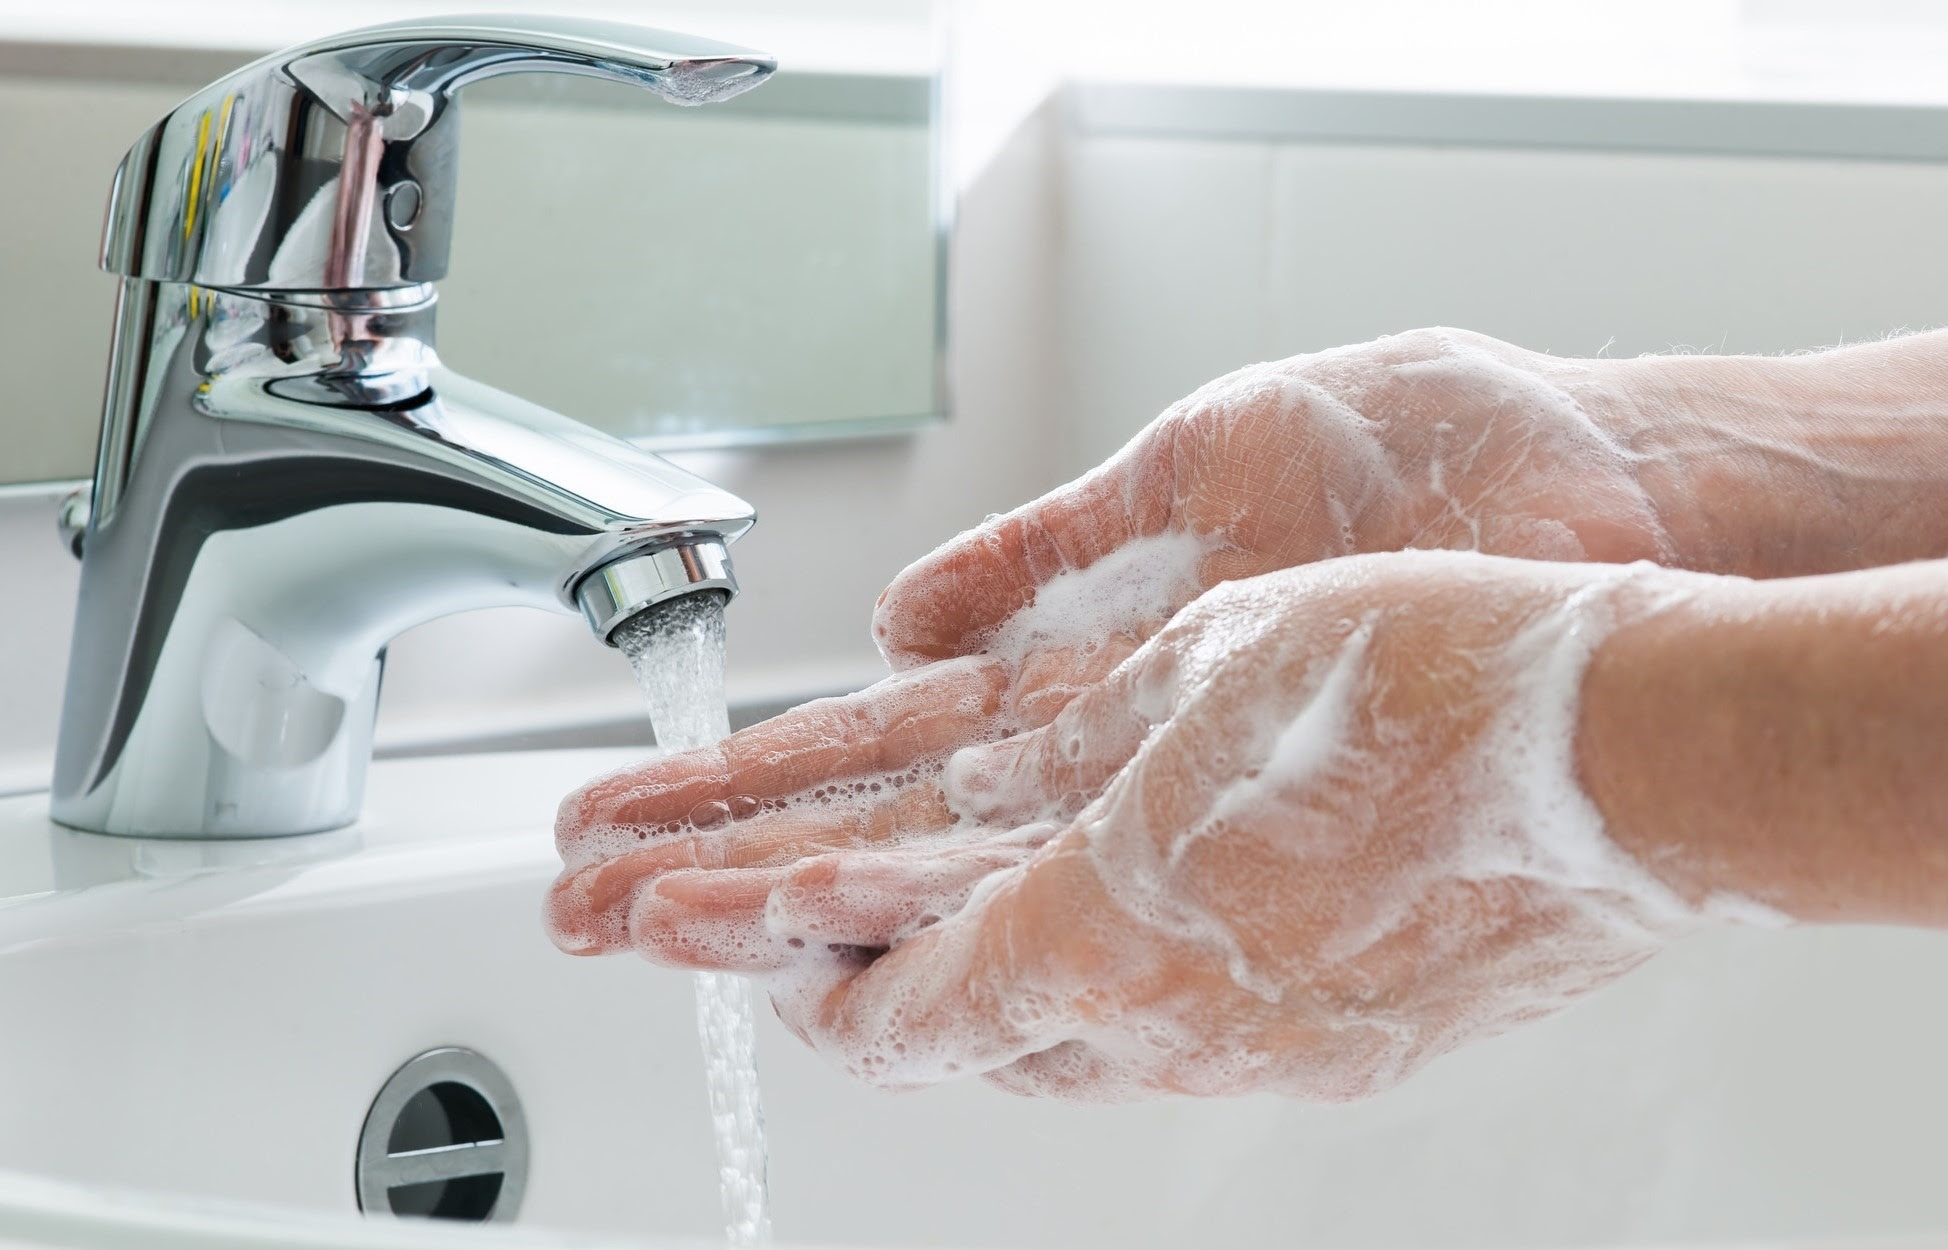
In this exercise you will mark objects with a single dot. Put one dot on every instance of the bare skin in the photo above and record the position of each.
(1764, 741)
(1780, 740)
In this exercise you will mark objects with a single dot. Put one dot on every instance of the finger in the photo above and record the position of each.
(1053, 772)
(881, 732)
(588, 906)
(1003, 978)
(949, 602)
(881, 898)
(707, 920)
(1049, 680)
(710, 921)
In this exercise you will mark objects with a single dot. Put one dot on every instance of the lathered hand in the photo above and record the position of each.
(1442, 438)
(1320, 829)
(1432, 439)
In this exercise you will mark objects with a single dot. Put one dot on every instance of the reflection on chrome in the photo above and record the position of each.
(287, 477)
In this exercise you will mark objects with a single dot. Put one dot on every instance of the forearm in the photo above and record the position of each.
(1788, 466)
(1783, 741)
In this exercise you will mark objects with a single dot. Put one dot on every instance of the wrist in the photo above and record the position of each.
(1789, 466)
(1773, 742)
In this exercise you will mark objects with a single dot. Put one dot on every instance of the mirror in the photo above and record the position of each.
(762, 270)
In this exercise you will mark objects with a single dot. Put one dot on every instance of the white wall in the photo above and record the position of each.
(1187, 257)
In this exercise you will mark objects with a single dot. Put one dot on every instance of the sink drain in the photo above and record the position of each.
(445, 1139)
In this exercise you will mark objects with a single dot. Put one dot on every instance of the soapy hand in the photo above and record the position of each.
(1437, 438)
(1321, 828)
(1431, 439)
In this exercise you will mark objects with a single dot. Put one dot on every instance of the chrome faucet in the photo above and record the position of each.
(287, 477)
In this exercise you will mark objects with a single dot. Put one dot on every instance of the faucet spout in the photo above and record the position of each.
(294, 485)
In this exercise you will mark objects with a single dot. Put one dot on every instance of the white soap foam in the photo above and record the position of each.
(1135, 588)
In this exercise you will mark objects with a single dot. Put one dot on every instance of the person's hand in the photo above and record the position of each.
(1435, 438)
(1320, 829)
(1441, 438)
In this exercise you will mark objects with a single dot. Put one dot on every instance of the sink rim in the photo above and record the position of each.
(430, 823)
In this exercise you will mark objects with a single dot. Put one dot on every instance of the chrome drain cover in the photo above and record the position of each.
(445, 1139)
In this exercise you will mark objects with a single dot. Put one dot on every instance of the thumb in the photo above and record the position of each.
(1055, 771)
(950, 602)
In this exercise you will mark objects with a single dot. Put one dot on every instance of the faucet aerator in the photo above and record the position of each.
(640, 580)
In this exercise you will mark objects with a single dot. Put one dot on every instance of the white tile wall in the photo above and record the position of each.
(1186, 258)
(1163, 257)
(1576, 253)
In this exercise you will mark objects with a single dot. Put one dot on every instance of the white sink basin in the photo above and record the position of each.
(213, 1021)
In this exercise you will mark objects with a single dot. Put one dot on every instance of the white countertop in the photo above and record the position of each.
(417, 810)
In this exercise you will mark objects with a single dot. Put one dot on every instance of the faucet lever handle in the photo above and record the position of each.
(331, 165)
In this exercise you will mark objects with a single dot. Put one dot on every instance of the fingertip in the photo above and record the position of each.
(565, 922)
(574, 924)
(608, 814)
(588, 906)
(571, 815)
(947, 602)
(595, 806)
